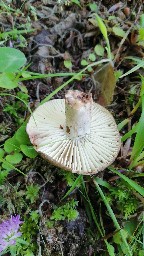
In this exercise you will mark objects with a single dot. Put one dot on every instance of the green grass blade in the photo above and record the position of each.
(111, 213)
(91, 207)
(31, 75)
(140, 65)
(103, 183)
(73, 186)
(110, 249)
(132, 183)
(123, 123)
(130, 133)
(139, 139)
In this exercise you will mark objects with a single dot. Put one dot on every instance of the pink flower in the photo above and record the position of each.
(9, 231)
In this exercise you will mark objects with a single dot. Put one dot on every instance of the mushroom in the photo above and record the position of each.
(75, 133)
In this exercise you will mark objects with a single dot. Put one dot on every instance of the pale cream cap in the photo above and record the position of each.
(89, 155)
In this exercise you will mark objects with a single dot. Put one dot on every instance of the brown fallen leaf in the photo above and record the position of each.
(105, 82)
(115, 7)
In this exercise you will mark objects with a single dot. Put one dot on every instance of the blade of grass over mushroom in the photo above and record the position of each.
(72, 78)
(72, 187)
(112, 215)
(132, 183)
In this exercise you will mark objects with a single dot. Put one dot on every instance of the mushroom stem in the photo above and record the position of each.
(78, 113)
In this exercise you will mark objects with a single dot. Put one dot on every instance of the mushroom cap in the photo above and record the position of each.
(88, 155)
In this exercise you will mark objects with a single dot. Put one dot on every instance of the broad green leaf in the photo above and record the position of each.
(117, 237)
(92, 57)
(119, 31)
(2, 152)
(7, 81)
(7, 166)
(3, 176)
(84, 63)
(29, 151)
(90, 69)
(130, 226)
(15, 158)
(68, 64)
(93, 6)
(22, 136)
(99, 50)
(11, 59)
(11, 145)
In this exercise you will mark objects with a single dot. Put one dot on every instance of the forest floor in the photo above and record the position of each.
(64, 37)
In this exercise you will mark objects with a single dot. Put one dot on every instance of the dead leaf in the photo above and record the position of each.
(105, 82)
(115, 7)
(61, 27)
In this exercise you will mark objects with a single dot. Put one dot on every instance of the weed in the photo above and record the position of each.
(32, 193)
(65, 212)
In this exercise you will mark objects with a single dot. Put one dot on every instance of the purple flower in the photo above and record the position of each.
(9, 231)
